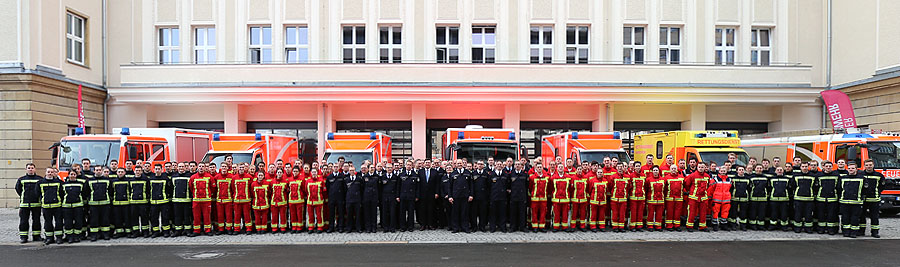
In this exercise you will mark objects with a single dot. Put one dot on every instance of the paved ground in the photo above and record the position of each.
(751, 253)
(9, 236)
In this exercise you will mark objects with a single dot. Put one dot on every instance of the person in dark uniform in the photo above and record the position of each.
(336, 198)
(160, 186)
(29, 204)
(499, 193)
(850, 187)
(827, 199)
(518, 197)
(389, 198)
(409, 195)
(481, 192)
(72, 207)
(140, 209)
(874, 183)
(459, 197)
(428, 195)
(370, 198)
(183, 221)
(120, 202)
(99, 199)
(49, 191)
(354, 186)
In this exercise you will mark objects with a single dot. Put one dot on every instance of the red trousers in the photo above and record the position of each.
(560, 215)
(279, 218)
(297, 216)
(579, 215)
(697, 208)
(538, 214)
(673, 213)
(619, 211)
(242, 211)
(597, 218)
(655, 215)
(201, 211)
(224, 213)
(262, 219)
(637, 213)
(315, 216)
(720, 210)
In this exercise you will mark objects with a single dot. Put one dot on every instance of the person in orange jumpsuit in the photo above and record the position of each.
(296, 200)
(646, 168)
(619, 197)
(241, 185)
(538, 183)
(674, 198)
(224, 200)
(579, 199)
(201, 187)
(314, 189)
(561, 191)
(637, 197)
(261, 193)
(656, 187)
(279, 202)
(697, 186)
(720, 190)
(598, 188)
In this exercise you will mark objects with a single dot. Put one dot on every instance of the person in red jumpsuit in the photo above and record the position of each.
(674, 198)
(201, 187)
(314, 189)
(637, 197)
(538, 183)
(561, 191)
(598, 188)
(261, 193)
(645, 169)
(224, 200)
(279, 202)
(697, 186)
(296, 200)
(242, 183)
(656, 187)
(720, 190)
(619, 197)
(579, 200)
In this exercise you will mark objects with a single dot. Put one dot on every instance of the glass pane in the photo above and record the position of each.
(764, 60)
(548, 35)
(303, 55)
(583, 56)
(162, 56)
(348, 55)
(291, 55)
(675, 36)
(489, 36)
(489, 55)
(764, 38)
(211, 56)
(290, 37)
(163, 38)
(477, 55)
(626, 36)
(383, 55)
(79, 26)
(729, 57)
(440, 35)
(718, 37)
(348, 35)
(718, 56)
(267, 35)
(397, 35)
(639, 56)
(175, 37)
(360, 55)
(663, 36)
(477, 38)
(663, 56)
(548, 55)
(267, 55)
(398, 55)
(383, 35)
(729, 37)
(570, 55)
(454, 55)
(254, 35)
(78, 50)
(535, 35)
(176, 55)
(535, 57)
(441, 55)
(675, 56)
(199, 57)
(570, 35)
(454, 35)
(360, 34)
(254, 55)
(583, 35)
(638, 35)
(626, 55)
(753, 57)
(69, 23)
(211, 36)
(69, 48)
(199, 37)
(303, 36)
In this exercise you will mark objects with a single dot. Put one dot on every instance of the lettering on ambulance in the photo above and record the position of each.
(891, 173)
(717, 141)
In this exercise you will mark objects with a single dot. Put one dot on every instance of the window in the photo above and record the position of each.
(260, 44)
(168, 45)
(577, 44)
(541, 44)
(354, 44)
(75, 38)
(205, 45)
(389, 49)
(484, 43)
(669, 45)
(725, 45)
(296, 44)
(157, 152)
(633, 41)
(447, 44)
(760, 49)
(659, 149)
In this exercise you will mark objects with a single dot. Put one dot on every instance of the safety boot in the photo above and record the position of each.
(875, 234)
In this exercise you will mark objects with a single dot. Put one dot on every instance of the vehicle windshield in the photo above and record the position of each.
(99, 152)
(483, 151)
(591, 156)
(357, 158)
(886, 155)
(218, 158)
(721, 157)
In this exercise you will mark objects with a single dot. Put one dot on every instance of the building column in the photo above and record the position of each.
(697, 120)
(234, 119)
(603, 123)
(419, 132)
(512, 114)
(324, 125)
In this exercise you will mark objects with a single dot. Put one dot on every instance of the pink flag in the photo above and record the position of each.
(80, 110)
(839, 108)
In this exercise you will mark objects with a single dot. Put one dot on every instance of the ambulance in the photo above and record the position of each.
(185, 144)
(583, 146)
(252, 148)
(882, 148)
(357, 147)
(706, 146)
(475, 143)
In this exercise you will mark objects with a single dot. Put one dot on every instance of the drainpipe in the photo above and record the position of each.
(104, 64)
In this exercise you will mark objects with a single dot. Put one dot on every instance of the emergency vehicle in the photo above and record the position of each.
(357, 147)
(103, 148)
(883, 149)
(583, 146)
(185, 144)
(477, 143)
(706, 146)
(252, 148)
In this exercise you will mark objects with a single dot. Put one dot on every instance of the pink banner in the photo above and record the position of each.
(80, 110)
(839, 108)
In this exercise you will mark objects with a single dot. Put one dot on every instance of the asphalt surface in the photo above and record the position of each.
(644, 253)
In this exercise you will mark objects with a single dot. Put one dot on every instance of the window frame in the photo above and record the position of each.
(72, 38)
(543, 46)
(721, 45)
(630, 46)
(757, 49)
(205, 48)
(261, 46)
(666, 49)
(483, 45)
(297, 44)
(577, 46)
(173, 46)
(448, 47)
(393, 43)
(356, 47)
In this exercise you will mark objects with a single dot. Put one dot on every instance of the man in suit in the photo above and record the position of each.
(428, 195)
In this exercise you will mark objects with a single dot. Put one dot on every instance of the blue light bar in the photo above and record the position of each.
(79, 131)
(575, 135)
(258, 137)
(215, 137)
(372, 135)
(126, 131)
(857, 135)
(512, 135)
(330, 136)
(617, 135)
(461, 135)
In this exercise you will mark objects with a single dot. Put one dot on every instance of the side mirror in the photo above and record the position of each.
(454, 147)
(852, 152)
(132, 152)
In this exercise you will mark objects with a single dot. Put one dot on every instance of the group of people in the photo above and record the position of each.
(189, 198)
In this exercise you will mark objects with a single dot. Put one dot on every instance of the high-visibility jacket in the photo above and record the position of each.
(638, 187)
(260, 195)
(538, 183)
(674, 186)
(697, 185)
(50, 193)
(851, 188)
(645, 169)
(120, 190)
(656, 190)
(620, 186)
(98, 191)
(181, 184)
(759, 183)
(826, 187)
(26, 187)
(720, 189)
(778, 188)
(241, 186)
(279, 192)
(664, 169)
(73, 194)
(223, 188)
(598, 188)
(201, 187)
(160, 186)
(561, 187)
(874, 183)
(802, 186)
(740, 188)
(295, 191)
(139, 189)
(607, 172)
(579, 188)
(315, 191)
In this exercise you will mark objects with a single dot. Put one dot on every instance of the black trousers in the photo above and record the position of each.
(121, 219)
(336, 217)
(427, 210)
(443, 215)
(498, 215)
(517, 215)
(34, 213)
(73, 218)
(478, 214)
(758, 213)
(389, 214)
(827, 213)
(159, 217)
(354, 217)
(739, 212)
(459, 214)
(850, 214)
(99, 218)
(779, 213)
(870, 210)
(803, 213)
(369, 215)
(140, 217)
(53, 222)
(407, 213)
(182, 216)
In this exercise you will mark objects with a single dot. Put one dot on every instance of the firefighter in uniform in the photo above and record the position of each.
(874, 183)
(850, 187)
(802, 186)
(408, 195)
(518, 197)
(740, 197)
(98, 191)
(619, 197)
(224, 200)
(160, 212)
(370, 198)
(674, 198)
(827, 199)
(354, 185)
(261, 193)
(637, 197)
(481, 193)
(759, 197)
(49, 191)
(314, 189)
(697, 185)
(459, 196)
(499, 190)
(201, 187)
(242, 183)
(121, 203)
(137, 197)
(561, 187)
(29, 204)
(296, 200)
(720, 190)
(279, 189)
(779, 199)
(656, 188)
(336, 194)
(579, 198)
(538, 182)
(389, 200)
(73, 203)
(182, 202)
(598, 189)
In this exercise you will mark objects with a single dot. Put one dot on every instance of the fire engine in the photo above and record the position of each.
(357, 147)
(583, 146)
(475, 143)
